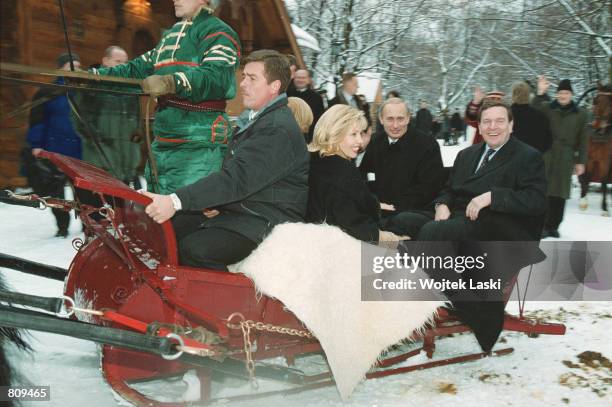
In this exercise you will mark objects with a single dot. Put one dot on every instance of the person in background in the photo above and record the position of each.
(347, 95)
(303, 90)
(531, 126)
(473, 107)
(115, 120)
(457, 124)
(424, 119)
(51, 130)
(568, 153)
(302, 114)
(366, 137)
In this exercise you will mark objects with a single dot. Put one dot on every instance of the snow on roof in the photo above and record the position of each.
(304, 39)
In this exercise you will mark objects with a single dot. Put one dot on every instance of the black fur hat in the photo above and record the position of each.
(565, 84)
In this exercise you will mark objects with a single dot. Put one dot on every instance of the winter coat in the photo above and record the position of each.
(457, 122)
(514, 176)
(531, 127)
(408, 174)
(471, 119)
(339, 196)
(569, 144)
(264, 177)
(202, 54)
(113, 120)
(424, 120)
(50, 125)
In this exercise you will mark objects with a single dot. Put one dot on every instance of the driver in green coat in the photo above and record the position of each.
(192, 72)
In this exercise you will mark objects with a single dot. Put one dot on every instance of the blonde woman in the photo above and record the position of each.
(301, 112)
(337, 193)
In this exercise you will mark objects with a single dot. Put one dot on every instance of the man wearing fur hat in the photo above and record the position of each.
(192, 72)
(568, 153)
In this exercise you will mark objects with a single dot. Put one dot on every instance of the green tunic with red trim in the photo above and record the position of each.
(202, 54)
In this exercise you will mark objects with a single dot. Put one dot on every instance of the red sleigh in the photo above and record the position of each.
(127, 277)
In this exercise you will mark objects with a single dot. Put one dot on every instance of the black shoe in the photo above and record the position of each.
(554, 233)
(62, 233)
(545, 234)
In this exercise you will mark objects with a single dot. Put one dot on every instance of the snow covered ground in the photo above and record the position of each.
(543, 371)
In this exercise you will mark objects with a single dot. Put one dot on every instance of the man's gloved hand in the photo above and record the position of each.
(158, 85)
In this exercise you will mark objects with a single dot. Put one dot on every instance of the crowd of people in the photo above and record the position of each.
(379, 176)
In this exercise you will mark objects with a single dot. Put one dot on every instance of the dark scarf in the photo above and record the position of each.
(570, 107)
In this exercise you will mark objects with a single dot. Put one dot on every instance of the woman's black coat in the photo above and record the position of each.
(339, 196)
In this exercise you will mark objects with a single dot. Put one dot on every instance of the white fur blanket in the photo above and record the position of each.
(315, 271)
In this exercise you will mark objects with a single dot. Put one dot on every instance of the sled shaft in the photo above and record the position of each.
(18, 318)
(32, 267)
(44, 303)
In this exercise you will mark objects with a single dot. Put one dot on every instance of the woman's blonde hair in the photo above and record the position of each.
(332, 127)
(520, 93)
(301, 112)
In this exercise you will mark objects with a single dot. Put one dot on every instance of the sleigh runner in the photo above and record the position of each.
(162, 319)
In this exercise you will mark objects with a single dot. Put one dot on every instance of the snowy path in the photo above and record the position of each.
(531, 376)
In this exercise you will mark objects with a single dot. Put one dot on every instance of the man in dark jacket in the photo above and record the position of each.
(51, 130)
(347, 95)
(568, 153)
(115, 120)
(263, 180)
(403, 167)
(496, 189)
(303, 90)
(496, 192)
(424, 119)
(530, 125)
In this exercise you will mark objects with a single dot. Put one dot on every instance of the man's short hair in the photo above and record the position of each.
(276, 66)
(392, 94)
(108, 52)
(307, 71)
(347, 76)
(292, 59)
(393, 101)
(489, 103)
(520, 93)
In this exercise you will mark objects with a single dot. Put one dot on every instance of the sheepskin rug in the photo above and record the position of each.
(315, 270)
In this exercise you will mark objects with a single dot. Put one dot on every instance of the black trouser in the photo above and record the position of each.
(212, 248)
(556, 209)
(420, 225)
(53, 187)
(406, 223)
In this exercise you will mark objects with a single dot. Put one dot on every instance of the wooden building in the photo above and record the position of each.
(31, 34)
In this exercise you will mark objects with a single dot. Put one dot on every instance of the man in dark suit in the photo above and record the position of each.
(496, 189)
(496, 192)
(424, 119)
(403, 166)
(347, 95)
(304, 91)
